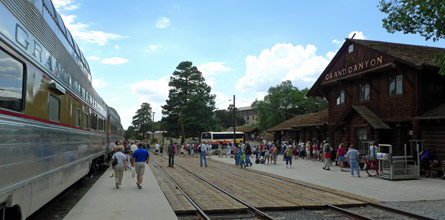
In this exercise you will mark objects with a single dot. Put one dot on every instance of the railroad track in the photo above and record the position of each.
(332, 207)
(325, 205)
(200, 213)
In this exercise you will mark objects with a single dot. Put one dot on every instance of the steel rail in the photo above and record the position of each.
(386, 208)
(330, 206)
(199, 212)
(256, 211)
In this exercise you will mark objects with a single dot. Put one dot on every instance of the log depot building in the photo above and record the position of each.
(384, 92)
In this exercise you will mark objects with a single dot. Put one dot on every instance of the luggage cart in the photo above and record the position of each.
(396, 167)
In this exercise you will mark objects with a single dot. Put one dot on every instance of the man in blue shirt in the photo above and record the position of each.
(426, 161)
(139, 159)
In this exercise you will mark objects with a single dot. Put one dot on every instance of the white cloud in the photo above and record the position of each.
(282, 62)
(81, 31)
(208, 69)
(211, 82)
(152, 90)
(99, 83)
(330, 55)
(358, 35)
(338, 42)
(93, 58)
(114, 61)
(163, 22)
(67, 5)
(116, 47)
(154, 47)
(222, 101)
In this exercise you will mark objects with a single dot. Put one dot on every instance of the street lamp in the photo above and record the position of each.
(153, 129)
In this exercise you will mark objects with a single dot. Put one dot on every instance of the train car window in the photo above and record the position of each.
(77, 117)
(85, 120)
(70, 37)
(54, 108)
(61, 24)
(94, 121)
(37, 4)
(11, 82)
(50, 8)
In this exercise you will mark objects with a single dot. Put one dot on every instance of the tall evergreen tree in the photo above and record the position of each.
(142, 120)
(189, 105)
(284, 102)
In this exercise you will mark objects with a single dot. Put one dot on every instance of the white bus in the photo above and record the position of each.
(215, 138)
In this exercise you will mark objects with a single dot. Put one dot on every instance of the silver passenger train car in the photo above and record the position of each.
(53, 125)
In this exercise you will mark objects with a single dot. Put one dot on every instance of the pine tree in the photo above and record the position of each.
(189, 97)
(142, 120)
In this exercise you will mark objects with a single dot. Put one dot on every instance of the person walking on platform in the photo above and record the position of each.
(120, 164)
(248, 153)
(327, 156)
(241, 160)
(288, 154)
(341, 155)
(352, 157)
(274, 154)
(140, 157)
(203, 153)
(171, 151)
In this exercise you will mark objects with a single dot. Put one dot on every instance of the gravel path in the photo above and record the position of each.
(433, 208)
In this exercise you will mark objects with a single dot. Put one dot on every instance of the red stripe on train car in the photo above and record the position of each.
(18, 115)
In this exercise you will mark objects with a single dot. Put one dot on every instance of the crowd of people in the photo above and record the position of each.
(134, 155)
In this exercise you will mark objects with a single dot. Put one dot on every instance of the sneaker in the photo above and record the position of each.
(328, 169)
(139, 187)
(358, 176)
(324, 168)
(117, 186)
(137, 184)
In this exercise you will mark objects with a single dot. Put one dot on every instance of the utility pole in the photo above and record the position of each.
(234, 121)
(153, 129)
(182, 128)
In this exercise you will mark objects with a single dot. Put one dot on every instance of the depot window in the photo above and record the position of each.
(395, 85)
(11, 82)
(341, 97)
(364, 92)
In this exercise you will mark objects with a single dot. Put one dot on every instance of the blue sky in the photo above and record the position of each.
(242, 47)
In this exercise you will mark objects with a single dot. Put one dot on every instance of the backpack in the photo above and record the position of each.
(114, 161)
(171, 149)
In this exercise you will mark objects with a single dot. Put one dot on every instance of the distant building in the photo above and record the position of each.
(247, 113)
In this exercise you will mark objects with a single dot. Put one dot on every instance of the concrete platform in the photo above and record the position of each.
(372, 187)
(104, 201)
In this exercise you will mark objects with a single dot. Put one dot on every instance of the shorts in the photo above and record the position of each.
(266, 156)
(424, 164)
(341, 159)
(139, 168)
